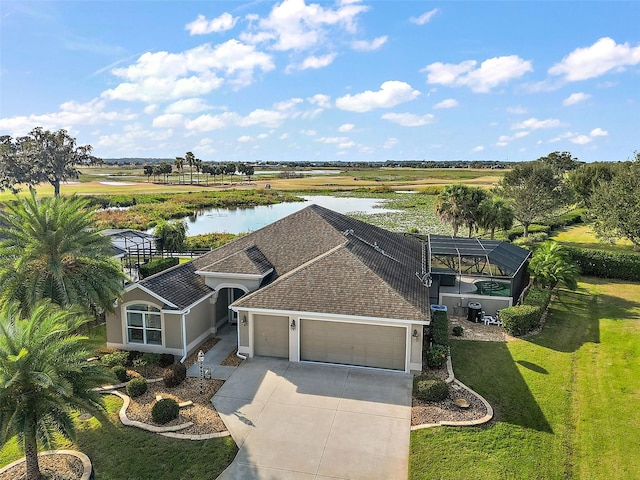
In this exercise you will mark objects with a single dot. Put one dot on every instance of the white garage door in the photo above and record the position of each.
(271, 336)
(353, 344)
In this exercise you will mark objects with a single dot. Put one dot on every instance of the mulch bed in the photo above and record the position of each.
(53, 467)
(193, 358)
(232, 360)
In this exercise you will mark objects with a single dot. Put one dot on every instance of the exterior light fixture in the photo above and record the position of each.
(415, 334)
(293, 324)
(200, 362)
(244, 320)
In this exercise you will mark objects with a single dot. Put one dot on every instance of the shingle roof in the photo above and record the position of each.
(383, 260)
(249, 261)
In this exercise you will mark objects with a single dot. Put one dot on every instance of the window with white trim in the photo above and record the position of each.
(144, 324)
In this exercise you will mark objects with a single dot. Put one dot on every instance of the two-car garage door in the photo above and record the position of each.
(375, 346)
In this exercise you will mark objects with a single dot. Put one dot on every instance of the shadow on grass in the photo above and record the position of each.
(533, 367)
(574, 319)
(489, 369)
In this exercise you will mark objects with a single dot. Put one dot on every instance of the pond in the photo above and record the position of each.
(239, 220)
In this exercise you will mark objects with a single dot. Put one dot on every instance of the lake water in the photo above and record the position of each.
(239, 220)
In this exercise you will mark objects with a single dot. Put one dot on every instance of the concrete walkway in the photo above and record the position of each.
(296, 421)
(228, 335)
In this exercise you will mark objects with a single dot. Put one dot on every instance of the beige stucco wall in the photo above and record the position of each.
(199, 320)
(244, 330)
(416, 348)
(172, 330)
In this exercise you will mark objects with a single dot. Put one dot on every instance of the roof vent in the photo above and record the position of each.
(348, 232)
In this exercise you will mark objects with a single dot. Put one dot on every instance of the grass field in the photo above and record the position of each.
(565, 400)
(583, 236)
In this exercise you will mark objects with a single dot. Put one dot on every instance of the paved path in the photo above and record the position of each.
(228, 342)
(295, 421)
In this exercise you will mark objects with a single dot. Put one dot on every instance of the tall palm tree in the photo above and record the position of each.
(495, 213)
(552, 266)
(49, 249)
(198, 164)
(190, 159)
(450, 206)
(179, 163)
(44, 376)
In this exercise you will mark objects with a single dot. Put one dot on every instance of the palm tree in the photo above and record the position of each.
(49, 249)
(44, 376)
(170, 236)
(450, 206)
(551, 266)
(198, 164)
(179, 163)
(190, 158)
(495, 214)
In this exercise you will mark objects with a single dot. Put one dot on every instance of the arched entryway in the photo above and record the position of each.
(226, 296)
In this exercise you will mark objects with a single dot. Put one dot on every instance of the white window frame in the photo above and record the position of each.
(144, 328)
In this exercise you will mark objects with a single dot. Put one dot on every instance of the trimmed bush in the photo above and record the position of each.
(539, 297)
(533, 228)
(115, 359)
(165, 410)
(457, 331)
(520, 319)
(605, 264)
(430, 390)
(440, 328)
(436, 356)
(136, 387)
(132, 357)
(150, 358)
(157, 265)
(166, 359)
(174, 375)
(121, 373)
(531, 240)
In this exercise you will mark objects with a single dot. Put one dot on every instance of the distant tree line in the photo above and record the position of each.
(164, 169)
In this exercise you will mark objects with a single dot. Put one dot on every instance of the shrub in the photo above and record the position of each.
(440, 328)
(431, 190)
(166, 359)
(157, 265)
(132, 357)
(538, 297)
(520, 319)
(136, 386)
(429, 389)
(533, 228)
(605, 264)
(114, 359)
(436, 356)
(174, 374)
(165, 410)
(121, 373)
(151, 358)
(531, 240)
(457, 331)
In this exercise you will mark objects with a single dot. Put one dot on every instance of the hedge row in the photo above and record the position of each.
(521, 319)
(157, 265)
(605, 264)
(570, 218)
(440, 328)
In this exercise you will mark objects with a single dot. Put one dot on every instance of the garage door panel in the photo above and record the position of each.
(346, 343)
(271, 336)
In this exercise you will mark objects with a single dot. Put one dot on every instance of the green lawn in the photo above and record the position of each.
(119, 452)
(583, 236)
(566, 400)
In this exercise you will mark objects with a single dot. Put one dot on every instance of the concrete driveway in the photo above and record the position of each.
(295, 421)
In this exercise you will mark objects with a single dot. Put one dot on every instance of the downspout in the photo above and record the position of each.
(239, 355)
(184, 335)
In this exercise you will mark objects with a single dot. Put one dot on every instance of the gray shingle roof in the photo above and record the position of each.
(374, 260)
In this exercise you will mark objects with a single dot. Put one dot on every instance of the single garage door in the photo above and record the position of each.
(271, 336)
(353, 344)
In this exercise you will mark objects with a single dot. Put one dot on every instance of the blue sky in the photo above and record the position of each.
(345, 80)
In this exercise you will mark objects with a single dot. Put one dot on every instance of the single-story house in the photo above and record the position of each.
(315, 286)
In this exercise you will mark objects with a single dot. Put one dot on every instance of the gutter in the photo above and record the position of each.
(184, 335)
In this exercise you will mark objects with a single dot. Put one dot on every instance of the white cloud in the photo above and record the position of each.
(317, 62)
(323, 101)
(479, 148)
(603, 56)
(332, 140)
(491, 73)
(150, 109)
(364, 46)
(517, 110)
(575, 98)
(408, 119)
(294, 25)
(311, 133)
(390, 143)
(135, 138)
(391, 93)
(448, 103)
(156, 77)
(71, 114)
(284, 136)
(261, 117)
(245, 139)
(535, 124)
(346, 127)
(188, 105)
(581, 140)
(287, 104)
(598, 132)
(168, 120)
(201, 25)
(504, 140)
(262, 136)
(424, 18)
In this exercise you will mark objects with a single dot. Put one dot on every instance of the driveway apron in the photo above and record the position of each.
(296, 421)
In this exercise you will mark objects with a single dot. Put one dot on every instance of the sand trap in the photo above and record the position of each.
(122, 184)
